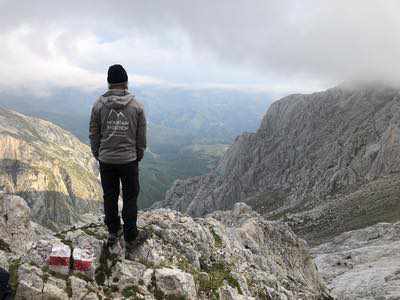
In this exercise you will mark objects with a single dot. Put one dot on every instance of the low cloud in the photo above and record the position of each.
(289, 45)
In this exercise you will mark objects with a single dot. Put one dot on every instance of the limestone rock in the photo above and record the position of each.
(235, 254)
(174, 283)
(50, 168)
(362, 264)
(326, 162)
(34, 284)
(229, 293)
(82, 289)
(15, 224)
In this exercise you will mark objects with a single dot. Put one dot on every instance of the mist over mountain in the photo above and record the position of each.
(176, 116)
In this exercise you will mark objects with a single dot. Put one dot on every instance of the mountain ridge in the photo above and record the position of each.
(49, 167)
(309, 150)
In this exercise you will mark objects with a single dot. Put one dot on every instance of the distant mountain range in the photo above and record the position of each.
(176, 116)
(326, 162)
(189, 129)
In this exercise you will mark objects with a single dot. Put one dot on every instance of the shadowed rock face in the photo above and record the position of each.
(233, 254)
(313, 161)
(49, 167)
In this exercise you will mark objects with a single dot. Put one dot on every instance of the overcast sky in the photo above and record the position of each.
(278, 46)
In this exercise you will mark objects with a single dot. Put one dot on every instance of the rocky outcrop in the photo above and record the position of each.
(227, 255)
(362, 264)
(327, 162)
(15, 221)
(49, 167)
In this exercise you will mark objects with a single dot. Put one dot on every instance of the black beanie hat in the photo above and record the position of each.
(117, 74)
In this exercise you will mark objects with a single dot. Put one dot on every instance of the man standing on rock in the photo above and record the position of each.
(118, 141)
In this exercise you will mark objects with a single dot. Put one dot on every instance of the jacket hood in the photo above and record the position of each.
(117, 99)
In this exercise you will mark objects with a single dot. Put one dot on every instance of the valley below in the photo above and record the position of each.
(188, 129)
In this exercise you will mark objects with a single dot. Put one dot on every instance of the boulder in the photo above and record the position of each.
(35, 284)
(174, 283)
(16, 232)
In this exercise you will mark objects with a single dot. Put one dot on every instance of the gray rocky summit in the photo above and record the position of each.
(326, 162)
(234, 254)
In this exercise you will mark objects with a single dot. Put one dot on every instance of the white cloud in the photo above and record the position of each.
(276, 45)
(41, 64)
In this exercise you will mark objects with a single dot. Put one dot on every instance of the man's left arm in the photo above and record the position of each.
(141, 134)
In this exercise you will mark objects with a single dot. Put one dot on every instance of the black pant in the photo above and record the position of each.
(111, 176)
(5, 289)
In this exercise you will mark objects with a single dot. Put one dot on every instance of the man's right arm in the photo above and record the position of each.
(95, 131)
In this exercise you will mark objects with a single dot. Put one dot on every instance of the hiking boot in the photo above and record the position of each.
(131, 246)
(113, 238)
(113, 243)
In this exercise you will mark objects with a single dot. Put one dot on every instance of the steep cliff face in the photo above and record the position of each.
(49, 167)
(333, 157)
(228, 255)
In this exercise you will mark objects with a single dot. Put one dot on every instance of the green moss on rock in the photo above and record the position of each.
(13, 270)
(217, 238)
(130, 292)
(218, 273)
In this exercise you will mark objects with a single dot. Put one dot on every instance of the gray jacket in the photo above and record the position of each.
(117, 127)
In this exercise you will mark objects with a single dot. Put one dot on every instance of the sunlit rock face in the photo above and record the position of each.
(49, 167)
(326, 162)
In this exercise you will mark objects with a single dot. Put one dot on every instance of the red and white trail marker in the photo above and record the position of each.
(59, 258)
(84, 261)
